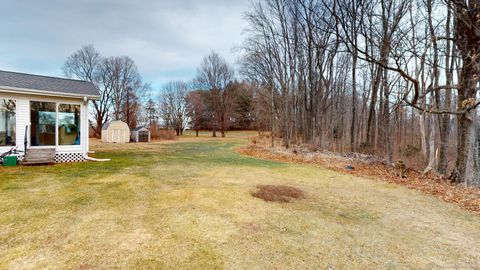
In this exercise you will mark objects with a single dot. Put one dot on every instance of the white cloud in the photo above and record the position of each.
(167, 39)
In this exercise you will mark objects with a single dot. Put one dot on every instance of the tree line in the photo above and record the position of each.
(214, 100)
(394, 78)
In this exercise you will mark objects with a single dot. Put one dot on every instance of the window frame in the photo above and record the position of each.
(56, 146)
(30, 125)
(15, 130)
(57, 139)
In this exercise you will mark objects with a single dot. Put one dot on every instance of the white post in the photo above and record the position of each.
(86, 133)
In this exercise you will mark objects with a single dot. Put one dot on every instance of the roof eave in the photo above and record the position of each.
(10, 89)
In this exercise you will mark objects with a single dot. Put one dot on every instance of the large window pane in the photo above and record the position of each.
(7, 122)
(42, 118)
(68, 124)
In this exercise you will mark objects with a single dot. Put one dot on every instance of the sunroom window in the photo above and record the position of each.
(42, 118)
(7, 122)
(68, 124)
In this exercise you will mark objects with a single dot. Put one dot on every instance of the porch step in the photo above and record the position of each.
(39, 156)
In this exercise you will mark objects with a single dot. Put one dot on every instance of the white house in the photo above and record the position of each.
(45, 114)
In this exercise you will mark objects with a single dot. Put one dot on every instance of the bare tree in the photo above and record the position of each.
(173, 105)
(122, 78)
(118, 80)
(83, 64)
(86, 64)
(196, 108)
(151, 113)
(215, 74)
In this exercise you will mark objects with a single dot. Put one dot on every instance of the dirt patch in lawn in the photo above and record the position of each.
(278, 193)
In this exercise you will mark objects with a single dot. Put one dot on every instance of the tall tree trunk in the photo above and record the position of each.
(354, 77)
(431, 144)
(386, 136)
(371, 111)
(445, 119)
(423, 135)
(465, 149)
(214, 130)
(435, 96)
(468, 43)
(466, 124)
(354, 103)
(222, 120)
(272, 116)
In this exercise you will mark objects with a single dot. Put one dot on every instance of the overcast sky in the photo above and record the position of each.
(166, 38)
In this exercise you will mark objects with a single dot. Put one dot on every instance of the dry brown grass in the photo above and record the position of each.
(188, 205)
(277, 193)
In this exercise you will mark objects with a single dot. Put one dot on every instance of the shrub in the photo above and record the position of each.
(163, 134)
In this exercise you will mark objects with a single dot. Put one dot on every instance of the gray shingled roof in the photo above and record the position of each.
(45, 83)
(105, 127)
(139, 128)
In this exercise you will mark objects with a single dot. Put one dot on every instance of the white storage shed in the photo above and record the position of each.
(116, 132)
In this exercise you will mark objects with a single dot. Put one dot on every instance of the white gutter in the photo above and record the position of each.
(17, 90)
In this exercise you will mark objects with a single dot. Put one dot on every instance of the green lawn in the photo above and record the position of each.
(187, 205)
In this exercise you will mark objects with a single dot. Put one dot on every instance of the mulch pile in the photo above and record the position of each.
(467, 198)
(277, 193)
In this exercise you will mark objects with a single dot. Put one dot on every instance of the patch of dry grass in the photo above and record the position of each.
(188, 205)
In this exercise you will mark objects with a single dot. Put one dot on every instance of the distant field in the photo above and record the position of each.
(187, 204)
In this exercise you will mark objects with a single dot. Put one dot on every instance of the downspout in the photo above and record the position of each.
(96, 159)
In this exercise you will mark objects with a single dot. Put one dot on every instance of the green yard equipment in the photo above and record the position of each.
(10, 161)
(9, 158)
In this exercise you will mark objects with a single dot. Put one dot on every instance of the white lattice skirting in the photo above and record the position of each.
(69, 157)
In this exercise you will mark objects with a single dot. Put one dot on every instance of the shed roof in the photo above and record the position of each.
(105, 127)
(140, 128)
(116, 122)
(48, 84)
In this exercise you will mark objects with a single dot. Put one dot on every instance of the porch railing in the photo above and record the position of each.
(25, 141)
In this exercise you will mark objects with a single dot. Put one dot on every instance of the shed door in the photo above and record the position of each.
(143, 136)
(116, 135)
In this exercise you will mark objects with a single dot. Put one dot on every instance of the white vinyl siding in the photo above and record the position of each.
(23, 119)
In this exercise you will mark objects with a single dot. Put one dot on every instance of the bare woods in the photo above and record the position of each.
(395, 78)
